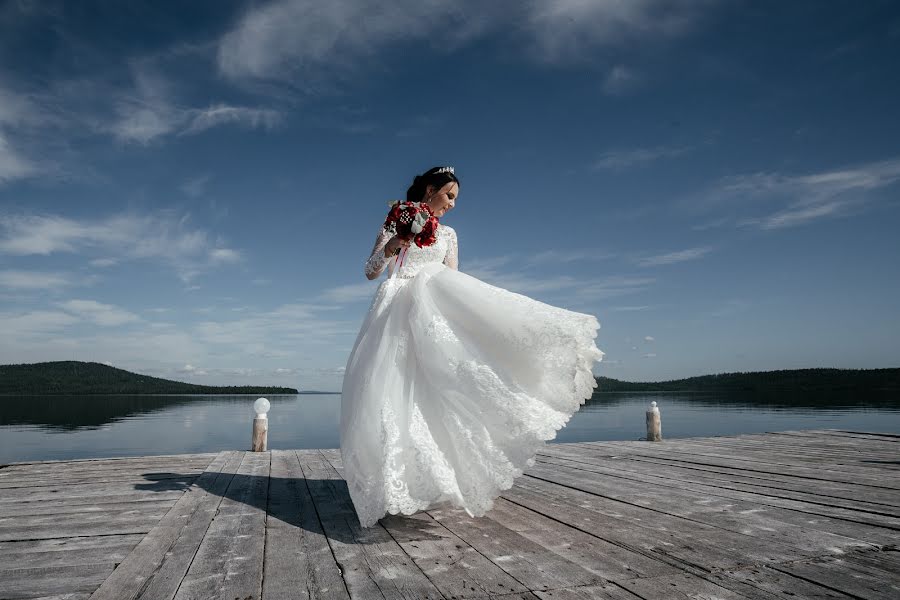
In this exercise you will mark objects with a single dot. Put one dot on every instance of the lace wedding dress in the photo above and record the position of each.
(454, 384)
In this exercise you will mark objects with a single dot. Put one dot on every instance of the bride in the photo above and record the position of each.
(453, 384)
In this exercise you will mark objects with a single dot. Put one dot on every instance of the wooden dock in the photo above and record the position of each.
(798, 514)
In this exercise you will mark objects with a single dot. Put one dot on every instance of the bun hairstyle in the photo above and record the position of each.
(436, 176)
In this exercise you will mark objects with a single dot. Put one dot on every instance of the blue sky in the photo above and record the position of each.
(190, 190)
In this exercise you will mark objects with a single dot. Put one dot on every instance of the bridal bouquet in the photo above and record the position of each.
(411, 220)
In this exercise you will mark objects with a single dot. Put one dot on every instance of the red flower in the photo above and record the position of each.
(400, 218)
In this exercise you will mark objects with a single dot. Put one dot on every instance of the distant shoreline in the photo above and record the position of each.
(73, 378)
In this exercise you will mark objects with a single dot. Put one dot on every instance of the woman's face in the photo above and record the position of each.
(442, 200)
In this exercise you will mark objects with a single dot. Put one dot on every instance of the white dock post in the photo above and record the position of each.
(654, 425)
(260, 426)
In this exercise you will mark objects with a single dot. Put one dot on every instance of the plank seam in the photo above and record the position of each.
(719, 496)
(215, 514)
(402, 549)
(322, 525)
(770, 495)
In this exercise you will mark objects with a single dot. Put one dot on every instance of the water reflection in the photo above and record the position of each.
(68, 413)
(65, 427)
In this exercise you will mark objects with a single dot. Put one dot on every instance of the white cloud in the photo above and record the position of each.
(224, 255)
(629, 308)
(563, 29)
(33, 280)
(104, 262)
(649, 338)
(354, 292)
(12, 165)
(623, 159)
(613, 286)
(620, 80)
(106, 315)
(806, 198)
(196, 186)
(149, 112)
(16, 327)
(163, 237)
(282, 38)
(650, 355)
(222, 114)
(674, 257)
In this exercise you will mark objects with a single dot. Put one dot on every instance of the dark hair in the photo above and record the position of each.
(430, 177)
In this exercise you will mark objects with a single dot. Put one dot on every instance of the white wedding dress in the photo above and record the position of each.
(454, 384)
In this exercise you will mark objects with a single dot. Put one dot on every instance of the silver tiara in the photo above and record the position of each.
(444, 170)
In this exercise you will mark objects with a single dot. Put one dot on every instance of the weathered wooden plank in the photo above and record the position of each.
(842, 574)
(137, 480)
(92, 505)
(100, 490)
(808, 450)
(66, 544)
(298, 559)
(75, 461)
(455, 567)
(683, 586)
(684, 543)
(229, 561)
(144, 510)
(107, 552)
(868, 435)
(140, 475)
(875, 499)
(872, 515)
(68, 528)
(850, 529)
(373, 564)
(128, 464)
(601, 557)
(16, 584)
(780, 529)
(666, 451)
(162, 551)
(752, 512)
(759, 580)
(710, 450)
(606, 591)
(536, 565)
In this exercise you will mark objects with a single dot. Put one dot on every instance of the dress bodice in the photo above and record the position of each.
(443, 250)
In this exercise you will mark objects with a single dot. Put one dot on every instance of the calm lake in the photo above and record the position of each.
(65, 427)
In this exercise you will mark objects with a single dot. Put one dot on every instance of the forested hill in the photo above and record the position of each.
(800, 380)
(77, 377)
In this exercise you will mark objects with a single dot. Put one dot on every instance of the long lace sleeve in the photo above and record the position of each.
(377, 260)
(452, 257)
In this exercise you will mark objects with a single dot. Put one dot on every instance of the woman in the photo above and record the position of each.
(453, 384)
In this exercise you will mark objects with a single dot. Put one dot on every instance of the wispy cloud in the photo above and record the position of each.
(674, 257)
(33, 280)
(223, 114)
(19, 326)
(620, 80)
(98, 313)
(12, 164)
(148, 112)
(805, 198)
(196, 186)
(280, 39)
(353, 292)
(624, 159)
(164, 237)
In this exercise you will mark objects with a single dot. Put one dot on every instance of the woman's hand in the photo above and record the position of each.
(394, 244)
